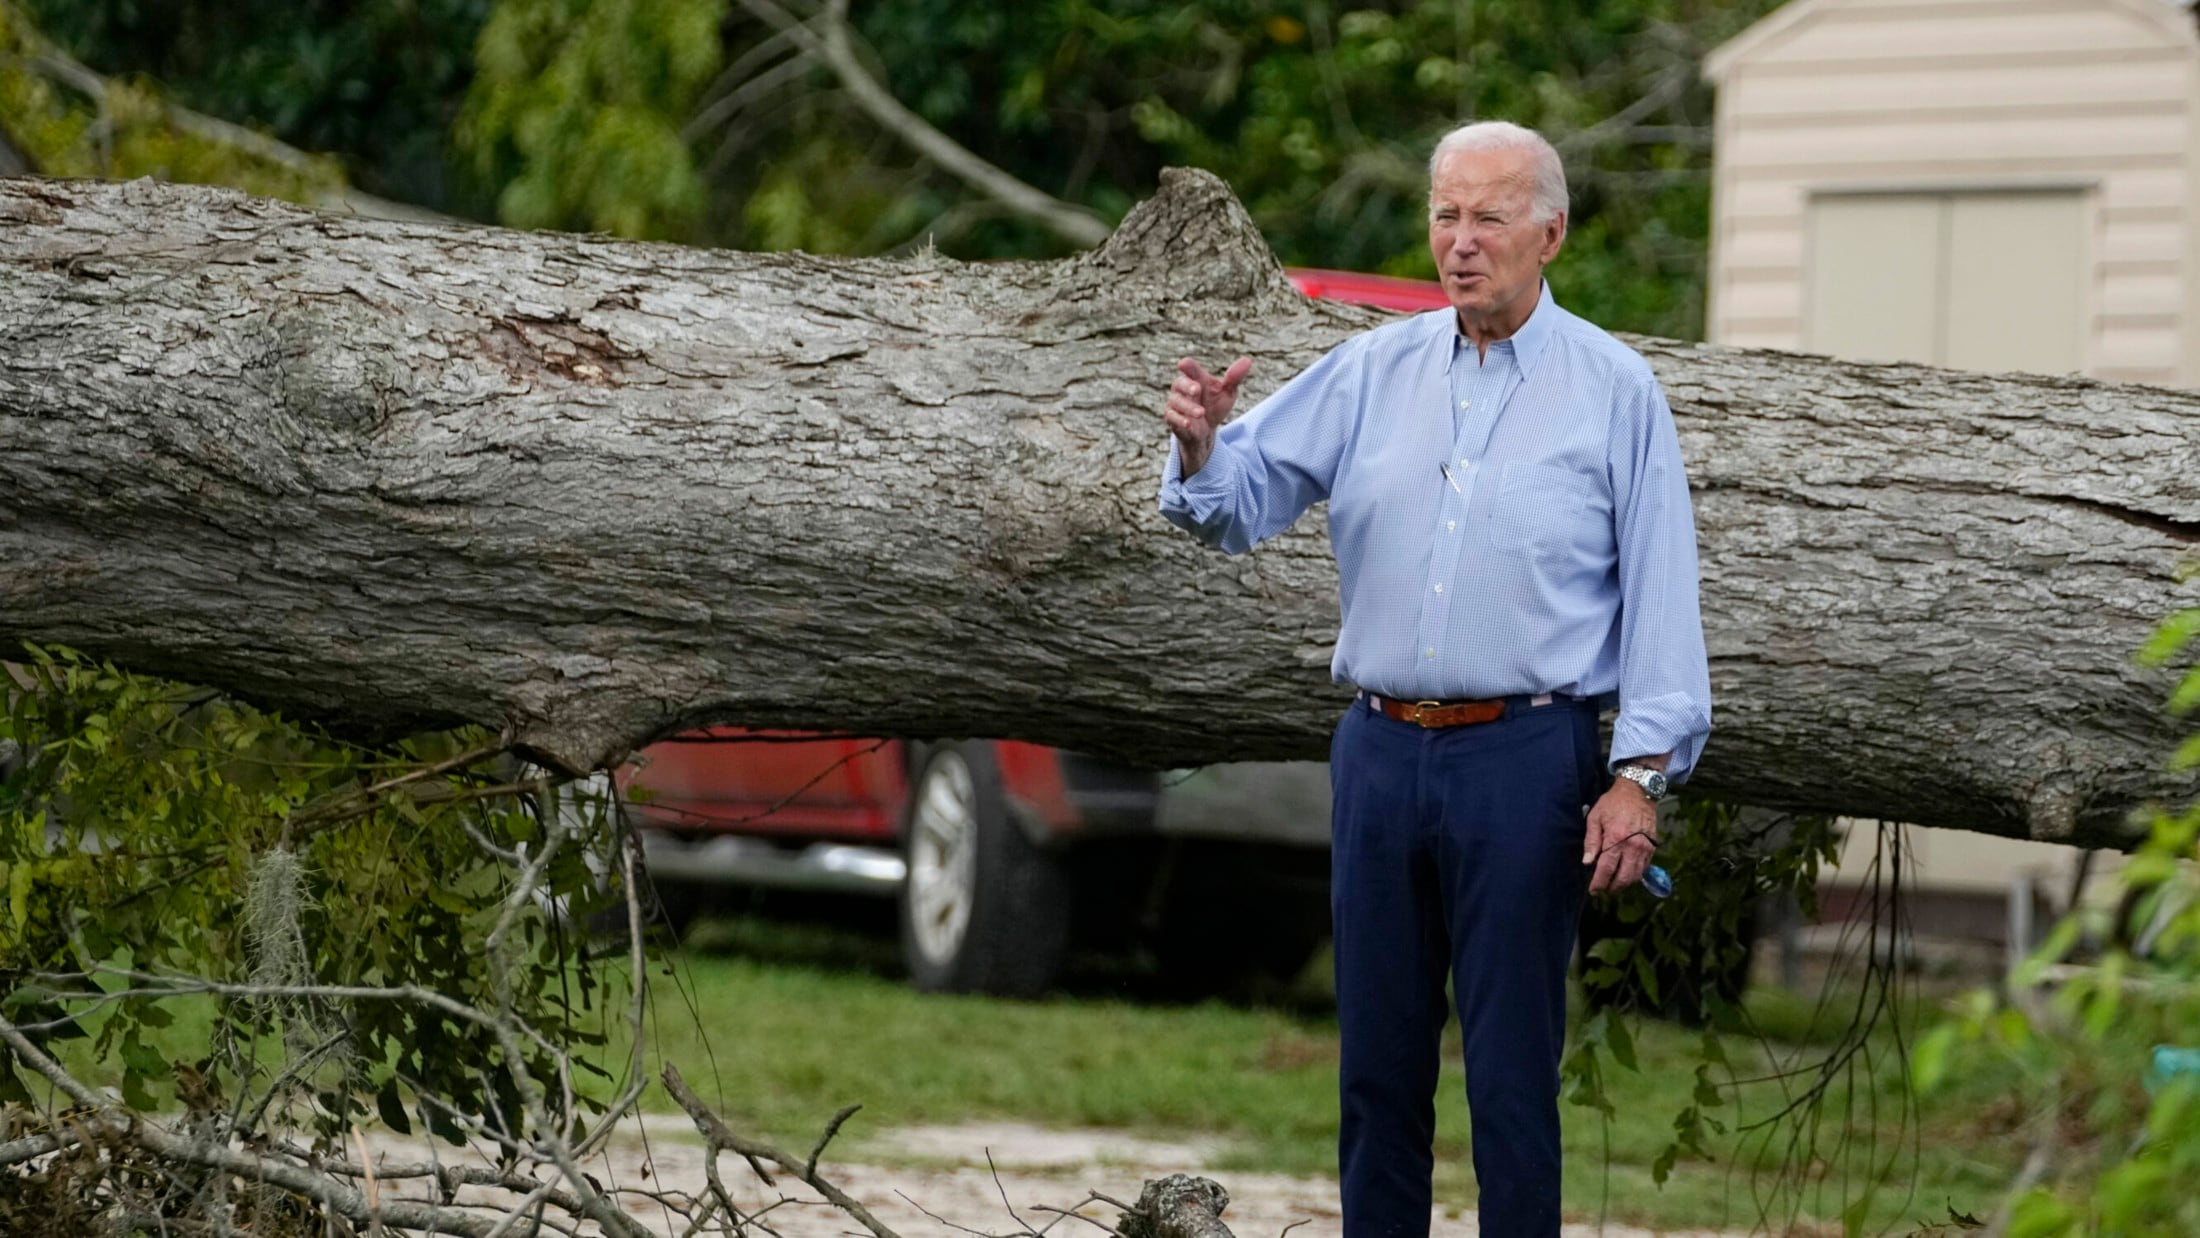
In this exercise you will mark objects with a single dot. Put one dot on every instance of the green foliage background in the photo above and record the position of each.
(2098, 1032)
(129, 135)
(376, 83)
(137, 817)
(686, 120)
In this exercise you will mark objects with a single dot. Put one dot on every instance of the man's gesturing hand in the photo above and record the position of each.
(1622, 834)
(1198, 401)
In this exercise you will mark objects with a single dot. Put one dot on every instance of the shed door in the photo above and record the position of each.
(1981, 281)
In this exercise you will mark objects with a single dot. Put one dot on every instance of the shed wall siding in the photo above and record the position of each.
(1967, 95)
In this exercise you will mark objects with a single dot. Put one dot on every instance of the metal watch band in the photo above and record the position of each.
(1641, 776)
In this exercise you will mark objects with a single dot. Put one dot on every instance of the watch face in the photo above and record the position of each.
(1655, 784)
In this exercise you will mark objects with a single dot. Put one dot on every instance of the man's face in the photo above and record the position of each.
(1489, 249)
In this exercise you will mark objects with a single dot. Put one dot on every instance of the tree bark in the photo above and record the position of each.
(399, 475)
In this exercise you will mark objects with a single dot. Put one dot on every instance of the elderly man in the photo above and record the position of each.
(1516, 551)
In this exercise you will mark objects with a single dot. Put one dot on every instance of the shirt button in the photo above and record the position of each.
(1464, 403)
(1462, 462)
(1432, 653)
(1439, 588)
(1450, 525)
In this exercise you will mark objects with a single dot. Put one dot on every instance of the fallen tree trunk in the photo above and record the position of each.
(594, 491)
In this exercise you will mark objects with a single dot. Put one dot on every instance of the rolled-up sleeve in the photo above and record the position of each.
(1664, 675)
(1270, 465)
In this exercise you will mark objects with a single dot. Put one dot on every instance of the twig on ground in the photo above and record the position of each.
(832, 1128)
(719, 1135)
(374, 1189)
(975, 1233)
(134, 1129)
(1071, 1213)
(995, 1170)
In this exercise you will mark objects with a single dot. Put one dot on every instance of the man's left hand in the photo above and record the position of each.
(1622, 833)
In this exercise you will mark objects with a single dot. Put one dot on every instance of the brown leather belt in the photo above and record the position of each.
(1439, 713)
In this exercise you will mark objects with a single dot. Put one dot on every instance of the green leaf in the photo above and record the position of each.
(1622, 1044)
(2060, 940)
(1929, 1061)
(2173, 1109)
(1612, 950)
(1852, 1217)
(2148, 868)
(19, 894)
(134, 1094)
(443, 1126)
(140, 1058)
(1707, 1093)
(392, 1108)
(2174, 634)
(2126, 1191)
(2040, 1213)
(2107, 999)
(2186, 694)
(1648, 975)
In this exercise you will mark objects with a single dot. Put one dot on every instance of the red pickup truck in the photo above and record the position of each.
(1003, 854)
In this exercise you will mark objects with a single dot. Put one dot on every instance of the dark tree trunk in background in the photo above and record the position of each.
(399, 475)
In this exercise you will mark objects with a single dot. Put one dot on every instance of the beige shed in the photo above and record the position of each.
(1982, 184)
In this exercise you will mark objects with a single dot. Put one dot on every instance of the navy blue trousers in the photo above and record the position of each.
(1456, 851)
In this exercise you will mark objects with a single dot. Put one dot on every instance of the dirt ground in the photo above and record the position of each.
(934, 1182)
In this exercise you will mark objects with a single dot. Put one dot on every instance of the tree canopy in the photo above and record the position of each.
(705, 121)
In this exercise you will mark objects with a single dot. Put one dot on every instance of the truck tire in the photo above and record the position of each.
(983, 910)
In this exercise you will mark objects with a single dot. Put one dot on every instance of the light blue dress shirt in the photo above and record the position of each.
(1512, 523)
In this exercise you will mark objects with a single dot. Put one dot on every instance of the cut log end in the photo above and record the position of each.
(1178, 1206)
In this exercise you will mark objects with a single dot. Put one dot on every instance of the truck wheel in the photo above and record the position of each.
(982, 909)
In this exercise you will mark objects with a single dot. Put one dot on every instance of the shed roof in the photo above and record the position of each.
(2173, 18)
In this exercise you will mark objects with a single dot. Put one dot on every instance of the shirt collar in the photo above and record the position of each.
(1529, 341)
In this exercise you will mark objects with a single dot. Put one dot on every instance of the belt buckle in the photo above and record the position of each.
(1421, 710)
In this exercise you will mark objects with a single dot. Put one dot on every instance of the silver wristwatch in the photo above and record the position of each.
(1651, 781)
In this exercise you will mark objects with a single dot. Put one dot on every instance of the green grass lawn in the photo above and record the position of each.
(783, 1025)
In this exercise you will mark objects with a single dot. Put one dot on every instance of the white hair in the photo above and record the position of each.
(1549, 186)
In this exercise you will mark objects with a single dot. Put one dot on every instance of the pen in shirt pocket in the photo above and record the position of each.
(1446, 468)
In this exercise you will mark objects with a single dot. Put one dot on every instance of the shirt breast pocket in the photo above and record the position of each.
(1549, 513)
